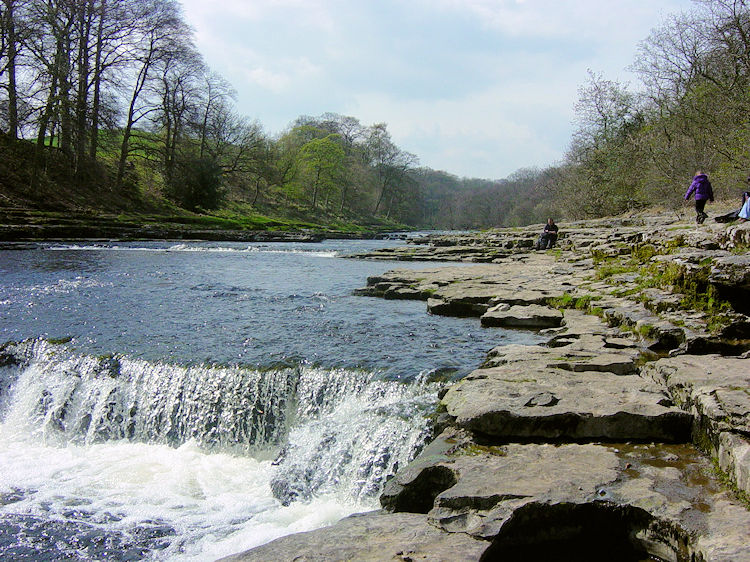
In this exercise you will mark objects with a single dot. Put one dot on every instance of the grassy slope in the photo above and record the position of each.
(54, 194)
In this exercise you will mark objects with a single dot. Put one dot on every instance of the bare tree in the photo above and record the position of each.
(390, 163)
(159, 33)
(10, 45)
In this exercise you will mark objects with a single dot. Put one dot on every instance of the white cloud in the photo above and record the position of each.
(474, 136)
(296, 72)
(313, 13)
(476, 87)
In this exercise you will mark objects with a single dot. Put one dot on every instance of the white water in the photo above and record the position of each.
(127, 448)
(192, 248)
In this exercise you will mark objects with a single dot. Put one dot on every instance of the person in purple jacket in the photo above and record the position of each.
(703, 192)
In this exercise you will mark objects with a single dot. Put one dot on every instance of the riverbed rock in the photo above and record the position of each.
(716, 391)
(595, 444)
(368, 537)
(737, 235)
(542, 501)
(532, 316)
(589, 406)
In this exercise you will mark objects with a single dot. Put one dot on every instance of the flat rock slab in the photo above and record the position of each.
(471, 291)
(370, 536)
(615, 363)
(716, 391)
(665, 495)
(531, 316)
(712, 386)
(528, 400)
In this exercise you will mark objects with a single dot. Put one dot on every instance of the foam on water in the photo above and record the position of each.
(201, 488)
(194, 248)
(205, 505)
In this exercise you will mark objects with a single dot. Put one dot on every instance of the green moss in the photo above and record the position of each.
(571, 358)
(717, 322)
(642, 253)
(597, 311)
(625, 292)
(569, 301)
(565, 301)
(648, 331)
(607, 270)
(697, 293)
(60, 341)
(474, 450)
(599, 257)
(728, 483)
(676, 242)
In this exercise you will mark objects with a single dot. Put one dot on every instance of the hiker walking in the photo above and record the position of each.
(703, 191)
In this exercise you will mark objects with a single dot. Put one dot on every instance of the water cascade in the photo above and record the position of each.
(334, 433)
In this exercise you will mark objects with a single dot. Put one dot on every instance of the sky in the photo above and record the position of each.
(477, 88)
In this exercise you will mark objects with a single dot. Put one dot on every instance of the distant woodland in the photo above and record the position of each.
(108, 104)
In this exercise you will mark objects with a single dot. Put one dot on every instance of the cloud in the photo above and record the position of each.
(312, 13)
(476, 87)
(501, 128)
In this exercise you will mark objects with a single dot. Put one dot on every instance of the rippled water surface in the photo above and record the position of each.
(229, 303)
(187, 401)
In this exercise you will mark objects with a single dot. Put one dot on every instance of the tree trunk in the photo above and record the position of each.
(204, 124)
(97, 82)
(49, 107)
(380, 199)
(257, 191)
(343, 197)
(315, 189)
(66, 118)
(84, 31)
(167, 130)
(11, 67)
(125, 146)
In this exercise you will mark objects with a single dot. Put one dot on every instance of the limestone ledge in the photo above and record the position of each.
(605, 439)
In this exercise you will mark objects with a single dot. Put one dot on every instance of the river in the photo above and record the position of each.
(187, 401)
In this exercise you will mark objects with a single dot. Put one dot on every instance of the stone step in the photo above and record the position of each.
(541, 401)
(572, 497)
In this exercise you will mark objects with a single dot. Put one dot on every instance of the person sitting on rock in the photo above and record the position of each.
(548, 236)
(740, 213)
(744, 213)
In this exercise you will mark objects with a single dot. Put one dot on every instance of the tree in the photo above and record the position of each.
(324, 158)
(196, 184)
(216, 92)
(9, 52)
(178, 86)
(603, 112)
(160, 33)
(390, 163)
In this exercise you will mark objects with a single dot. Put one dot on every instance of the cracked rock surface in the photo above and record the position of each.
(602, 444)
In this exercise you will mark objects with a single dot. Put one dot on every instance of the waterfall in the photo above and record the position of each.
(334, 431)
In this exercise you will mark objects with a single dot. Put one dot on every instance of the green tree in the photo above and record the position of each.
(323, 158)
(196, 184)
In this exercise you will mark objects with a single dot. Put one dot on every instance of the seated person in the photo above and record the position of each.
(548, 236)
(744, 213)
(736, 214)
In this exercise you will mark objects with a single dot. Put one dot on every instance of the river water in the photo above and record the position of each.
(188, 401)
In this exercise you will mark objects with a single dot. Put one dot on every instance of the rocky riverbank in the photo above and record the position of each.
(28, 226)
(625, 437)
